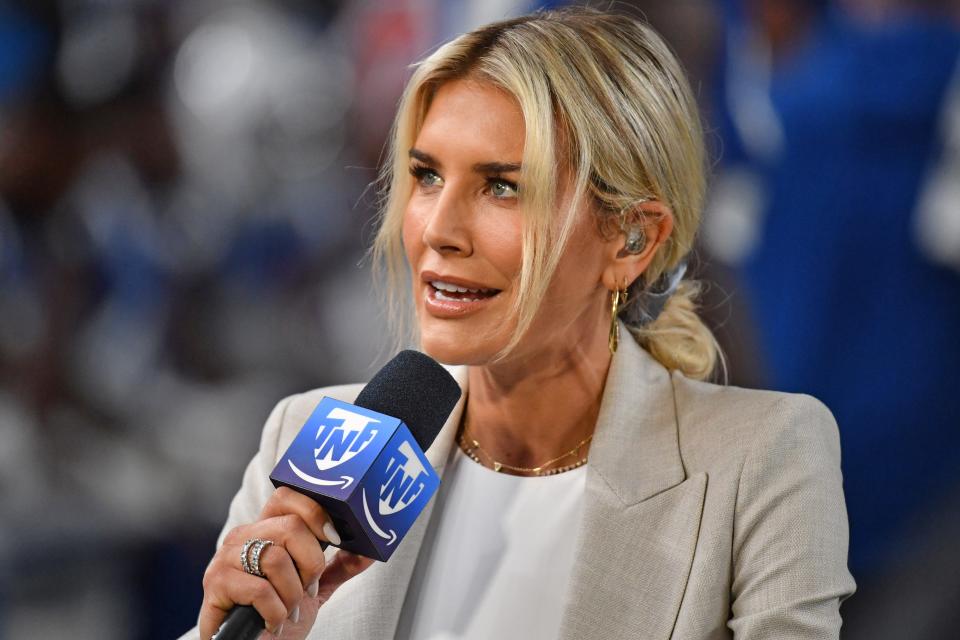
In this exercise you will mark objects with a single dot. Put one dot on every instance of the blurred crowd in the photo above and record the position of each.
(186, 195)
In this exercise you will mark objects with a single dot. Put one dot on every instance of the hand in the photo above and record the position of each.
(297, 580)
(342, 567)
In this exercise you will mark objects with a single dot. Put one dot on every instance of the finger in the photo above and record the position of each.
(302, 627)
(290, 532)
(342, 567)
(211, 618)
(285, 500)
(278, 568)
(225, 589)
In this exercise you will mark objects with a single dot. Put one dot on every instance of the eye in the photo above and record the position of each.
(503, 189)
(425, 176)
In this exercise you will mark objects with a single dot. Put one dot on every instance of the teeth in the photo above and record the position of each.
(446, 286)
(440, 296)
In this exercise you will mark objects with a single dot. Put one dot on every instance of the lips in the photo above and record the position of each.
(453, 297)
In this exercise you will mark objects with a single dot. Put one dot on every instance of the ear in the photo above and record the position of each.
(656, 220)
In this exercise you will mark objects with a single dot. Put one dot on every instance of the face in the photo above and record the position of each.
(462, 232)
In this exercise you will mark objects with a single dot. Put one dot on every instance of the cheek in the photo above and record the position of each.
(577, 280)
(412, 235)
(498, 239)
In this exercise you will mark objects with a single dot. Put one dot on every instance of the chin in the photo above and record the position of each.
(456, 347)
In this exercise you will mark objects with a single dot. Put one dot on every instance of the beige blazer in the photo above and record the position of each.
(710, 512)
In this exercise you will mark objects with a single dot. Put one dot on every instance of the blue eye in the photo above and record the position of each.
(503, 189)
(425, 176)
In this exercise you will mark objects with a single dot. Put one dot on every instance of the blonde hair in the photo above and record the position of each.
(602, 95)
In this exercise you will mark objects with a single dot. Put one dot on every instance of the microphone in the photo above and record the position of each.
(364, 463)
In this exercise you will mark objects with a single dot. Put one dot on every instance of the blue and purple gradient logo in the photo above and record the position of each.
(365, 469)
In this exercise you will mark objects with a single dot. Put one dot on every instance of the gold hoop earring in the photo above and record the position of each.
(617, 297)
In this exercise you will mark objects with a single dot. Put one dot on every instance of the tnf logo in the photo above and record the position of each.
(405, 480)
(338, 443)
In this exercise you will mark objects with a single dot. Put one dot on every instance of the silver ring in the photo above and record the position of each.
(250, 555)
(244, 554)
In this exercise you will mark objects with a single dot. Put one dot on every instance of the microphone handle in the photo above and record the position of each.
(243, 622)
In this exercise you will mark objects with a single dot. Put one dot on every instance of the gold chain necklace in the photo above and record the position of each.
(471, 447)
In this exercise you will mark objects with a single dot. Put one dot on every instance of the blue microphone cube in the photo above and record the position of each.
(365, 469)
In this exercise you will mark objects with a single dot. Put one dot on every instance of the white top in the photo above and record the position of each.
(496, 557)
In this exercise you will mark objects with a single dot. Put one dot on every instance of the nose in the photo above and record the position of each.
(447, 229)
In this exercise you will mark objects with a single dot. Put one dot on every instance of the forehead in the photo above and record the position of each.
(469, 117)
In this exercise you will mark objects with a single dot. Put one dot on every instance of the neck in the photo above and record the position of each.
(535, 407)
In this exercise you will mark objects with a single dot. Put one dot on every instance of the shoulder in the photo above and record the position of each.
(775, 499)
(289, 415)
(301, 405)
(773, 460)
(727, 424)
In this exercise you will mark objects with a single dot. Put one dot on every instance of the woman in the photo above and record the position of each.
(545, 188)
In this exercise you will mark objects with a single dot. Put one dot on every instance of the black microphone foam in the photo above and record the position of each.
(416, 389)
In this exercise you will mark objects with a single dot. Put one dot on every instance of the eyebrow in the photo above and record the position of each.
(481, 167)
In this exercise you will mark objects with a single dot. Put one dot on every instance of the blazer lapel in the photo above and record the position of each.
(641, 516)
(368, 606)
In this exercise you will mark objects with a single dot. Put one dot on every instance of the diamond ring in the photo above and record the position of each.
(250, 555)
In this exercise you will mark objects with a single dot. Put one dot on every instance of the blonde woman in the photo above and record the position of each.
(545, 185)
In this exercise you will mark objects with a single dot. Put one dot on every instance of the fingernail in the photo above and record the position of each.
(314, 589)
(295, 615)
(278, 631)
(331, 533)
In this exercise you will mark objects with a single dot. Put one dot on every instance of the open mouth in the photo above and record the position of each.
(456, 293)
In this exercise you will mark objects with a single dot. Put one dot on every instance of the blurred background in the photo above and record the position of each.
(185, 201)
